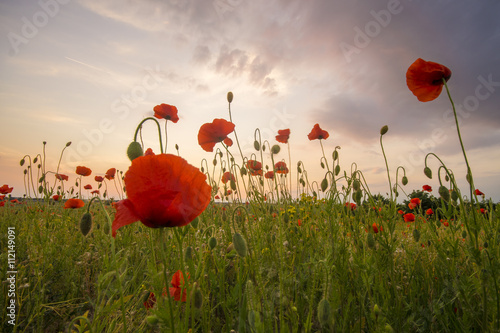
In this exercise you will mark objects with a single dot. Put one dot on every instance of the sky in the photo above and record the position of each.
(88, 71)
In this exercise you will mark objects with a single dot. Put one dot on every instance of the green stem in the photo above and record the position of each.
(387, 167)
(159, 130)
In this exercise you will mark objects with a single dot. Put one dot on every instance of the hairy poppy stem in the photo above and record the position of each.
(235, 135)
(159, 130)
(387, 167)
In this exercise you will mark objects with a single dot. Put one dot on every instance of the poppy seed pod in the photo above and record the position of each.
(86, 224)
(324, 312)
(229, 97)
(275, 149)
(134, 150)
(240, 245)
(428, 172)
(384, 129)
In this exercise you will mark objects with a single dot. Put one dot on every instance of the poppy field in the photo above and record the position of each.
(249, 243)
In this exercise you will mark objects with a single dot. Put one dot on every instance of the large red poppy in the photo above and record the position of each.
(269, 175)
(283, 135)
(83, 171)
(74, 203)
(425, 79)
(255, 167)
(410, 217)
(163, 191)
(227, 176)
(165, 111)
(214, 132)
(317, 133)
(178, 285)
(5, 189)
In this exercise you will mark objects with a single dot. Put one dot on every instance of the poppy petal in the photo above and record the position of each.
(124, 215)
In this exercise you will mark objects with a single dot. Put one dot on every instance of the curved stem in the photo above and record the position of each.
(159, 130)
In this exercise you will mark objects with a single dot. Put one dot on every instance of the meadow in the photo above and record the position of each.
(249, 243)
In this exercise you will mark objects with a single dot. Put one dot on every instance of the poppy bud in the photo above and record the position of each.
(416, 235)
(243, 172)
(35, 160)
(214, 162)
(188, 254)
(428, 172)
(404, 181)
(229, 97)
(337, 170)
(388, 328)
(152, 320)
(384, 129)
(40, 189)
(68, 143)
(376, 310)
(22, 162)
(25, 171)
(233, 185)
(256, 145)
(357, 196)
(468, 177)
(196, 296)
(41, 179)
(324, 184)
(86, 224)
(335, 155)
(322, 165)
(464, 234)
(212, 243)
(106, 229)
(275, 149)
(134, 150)
(447, 178)
(444, 193)
(315, 194)
(240, 245)
(454, 195)
(176, 146)
(370, 240)
(299, 169)
(356, 185)
(324, 312)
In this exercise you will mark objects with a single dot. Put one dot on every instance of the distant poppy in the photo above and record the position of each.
(110, 174)
(255, 167)
(446, 224)
(283, 136)
(61, 176)
(2, 197)
(214, 132)
(350, 205)
(269, 175)
(375, 228)
(280, 167)
(317, 133)
(228, 192)
(56, 197)
(14, 201)
(409, 217)
(95, 192)
(425, 79)
(415, 201)
(400, 212)
(83, 171)
(427, 188)
(217, 197)
(165, 111)
(483, 211)
(74, 203)
(429, 211)
(477, 192)
(177, 285)
(88, 187)
(150, 302)
(2, 203)
(227, 176)
(99, 179)
(163, 191)
(5, 189)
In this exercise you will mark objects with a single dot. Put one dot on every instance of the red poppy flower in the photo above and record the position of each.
(74, 203)
(415, 201)
(95, 192)
(280, 167)
(214, 132)
(228, 192)
(177, 285)
(483, 211)
(400, 212)
(227, 176)
(255, 167)
(88, 187)
(350, 205)
(150, 302)
(149, 152)
(2, 197)
(318, 133)
(446, 224)
(476, 191)
(283, 135)
(375, 228)
(56, 197)
(165, 111)
(217, 197)
(425, 79)
(163, 191)
(110, 174)
(99, 179)
(83, 171)
(269, 175)
(61, 176)
(409, 217)
(5, 189)
(429, 211)
(14, 201)
(427, 188)
(2, 203)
